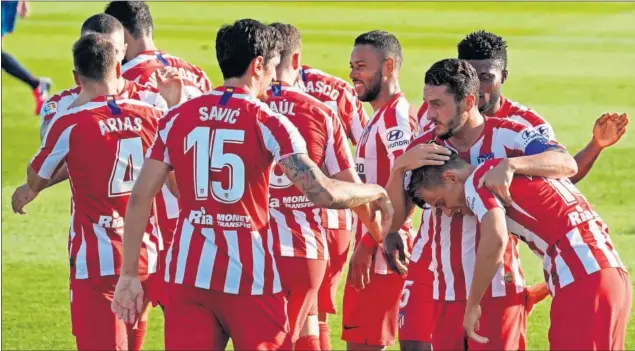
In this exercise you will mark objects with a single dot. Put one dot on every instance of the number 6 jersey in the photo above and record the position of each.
(103, 143)
(222, 146)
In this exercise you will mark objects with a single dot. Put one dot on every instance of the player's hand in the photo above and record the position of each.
(396, 253)
(497, 180)
(360, 265)
(23, 8)
(423, 155)
(170, 85)
(534, 294)
(127, 302)
(471, 323)
(21, 197)
(609, 128)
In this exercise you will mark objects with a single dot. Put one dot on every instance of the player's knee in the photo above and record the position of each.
(409, 345)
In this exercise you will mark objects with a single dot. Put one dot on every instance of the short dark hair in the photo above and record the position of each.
(101, 23)
(430, 177)
(134, 16)
(482, 45)
(387, 44)
(290, 37)
(93, 56)
(458, 76)
(238, 44)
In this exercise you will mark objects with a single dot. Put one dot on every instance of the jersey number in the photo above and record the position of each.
(127, 167)
(210, 158)
(566, 190)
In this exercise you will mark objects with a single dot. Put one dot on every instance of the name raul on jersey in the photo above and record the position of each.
(120, 124)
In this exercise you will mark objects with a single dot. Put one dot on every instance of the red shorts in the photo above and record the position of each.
(416, 309)
(200, 319)
(592, 312)
(93, 323)
(338, 241)
(370, 315)
(503, 321)
(157, 281)
(301, 279)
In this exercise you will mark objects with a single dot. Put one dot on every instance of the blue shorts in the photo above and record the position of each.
(9, 14)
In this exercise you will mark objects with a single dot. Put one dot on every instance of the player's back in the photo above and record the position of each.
(554, 219)
(103, 143)
(297, 222)
(221, 146)
(338, 95)
(141, 70)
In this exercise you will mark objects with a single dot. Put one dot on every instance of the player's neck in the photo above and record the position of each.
(242, 83)
(385, 94)
(139, 46)
(92, 90)
(288, 76)
(469, 133)
(497, 106)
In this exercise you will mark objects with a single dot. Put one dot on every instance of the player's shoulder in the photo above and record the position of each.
(522, 113)
(58, 102)
(425, 137)
(494, 124)
(397, 112)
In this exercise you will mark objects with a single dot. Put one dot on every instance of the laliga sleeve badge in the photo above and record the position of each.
(49, 108)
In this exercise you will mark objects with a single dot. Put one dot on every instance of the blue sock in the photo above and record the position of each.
(14, 68)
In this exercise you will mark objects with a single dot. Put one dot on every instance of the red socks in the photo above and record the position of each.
(325, 337)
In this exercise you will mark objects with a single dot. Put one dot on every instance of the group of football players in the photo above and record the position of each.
(231, 208)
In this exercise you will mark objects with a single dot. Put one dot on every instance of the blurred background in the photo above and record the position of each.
(569, 61)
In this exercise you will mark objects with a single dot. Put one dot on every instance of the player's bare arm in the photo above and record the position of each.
(128, 302)
(608, 130)
(554, 162)
(489, 255)
(323, 191)
(419, 155)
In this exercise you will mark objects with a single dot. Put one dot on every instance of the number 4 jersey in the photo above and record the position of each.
(103, 143)
(222, 146)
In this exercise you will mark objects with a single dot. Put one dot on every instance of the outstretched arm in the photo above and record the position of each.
(326, 192)
(608, 130)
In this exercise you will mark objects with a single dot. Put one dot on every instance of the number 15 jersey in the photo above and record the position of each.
(222, 146)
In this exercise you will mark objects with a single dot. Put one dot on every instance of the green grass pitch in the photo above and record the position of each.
(570, 62)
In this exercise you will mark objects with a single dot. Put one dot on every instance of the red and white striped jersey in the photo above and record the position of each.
(385, 138)
(142, 68)
(60, 102)
(449, 242)
(555, 220)
(342, 98)
(222, 146)
(296, 223)
(509, 109)
(102, 143)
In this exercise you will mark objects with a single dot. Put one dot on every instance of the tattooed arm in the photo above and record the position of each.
(326, 192)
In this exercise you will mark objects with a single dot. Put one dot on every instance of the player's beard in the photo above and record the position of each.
(454, 125)
(494, 96)
(372, 91)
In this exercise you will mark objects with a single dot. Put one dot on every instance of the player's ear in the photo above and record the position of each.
(469, 101)
(257, 66)
(389, 66)
(76, 78)
(504, 76)
(450, 177)
(295, 61)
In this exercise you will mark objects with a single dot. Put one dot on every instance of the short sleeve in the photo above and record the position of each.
(338, 155)
(55, 146)
(397, 132)
(530, 141)
(480, 200)
(280, 136)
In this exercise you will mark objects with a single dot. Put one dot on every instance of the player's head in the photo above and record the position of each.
(441, 186)
(487, 52)
(95, 60)
(290, 54)
(250, 51)
(109, 27)
(134, 16)
(376, 58)
(451, 91)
